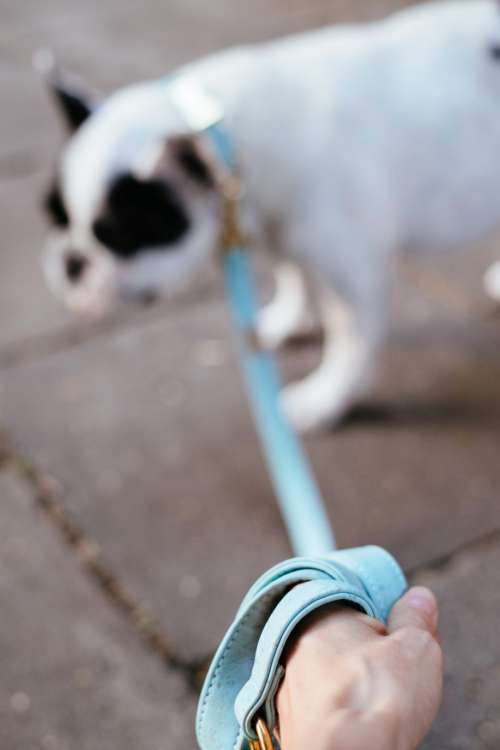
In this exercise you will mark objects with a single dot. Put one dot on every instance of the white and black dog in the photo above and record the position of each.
(352, 143)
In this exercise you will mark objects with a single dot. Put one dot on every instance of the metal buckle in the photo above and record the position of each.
(265, 741)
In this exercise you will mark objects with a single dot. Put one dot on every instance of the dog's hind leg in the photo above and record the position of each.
(346, 369)
(288, 314)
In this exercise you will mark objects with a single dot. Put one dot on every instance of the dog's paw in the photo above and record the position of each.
(491, 281)
(304, 408)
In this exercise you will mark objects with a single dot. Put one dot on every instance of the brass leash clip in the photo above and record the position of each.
(232, 234)
(264, 741)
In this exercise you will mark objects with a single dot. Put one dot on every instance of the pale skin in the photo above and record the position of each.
(352, 684)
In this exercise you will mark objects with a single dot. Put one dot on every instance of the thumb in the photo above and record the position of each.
(418, 609)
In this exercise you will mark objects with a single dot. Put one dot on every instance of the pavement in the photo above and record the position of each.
(136, 508)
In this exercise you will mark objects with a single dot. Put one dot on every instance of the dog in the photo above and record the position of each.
(352, 143)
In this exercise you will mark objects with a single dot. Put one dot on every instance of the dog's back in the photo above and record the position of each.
(403, 114)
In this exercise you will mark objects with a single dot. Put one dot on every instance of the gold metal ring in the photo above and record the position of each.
(265, 741)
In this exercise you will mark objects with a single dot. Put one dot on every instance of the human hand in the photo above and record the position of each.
(352, 684)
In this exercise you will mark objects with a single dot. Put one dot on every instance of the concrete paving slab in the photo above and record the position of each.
(424, 449)
(73, 674)
(469, 596)
(24, 300)
(157, 454)
(150, 435)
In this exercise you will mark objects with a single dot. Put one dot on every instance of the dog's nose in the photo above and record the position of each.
(75, 266)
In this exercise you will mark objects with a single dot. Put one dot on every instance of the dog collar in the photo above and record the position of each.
(200, 109)
(204, 114)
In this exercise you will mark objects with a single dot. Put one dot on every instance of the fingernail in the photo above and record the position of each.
(421, 598)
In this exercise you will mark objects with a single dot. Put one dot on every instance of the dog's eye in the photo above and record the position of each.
(54, 205)
(192, 163)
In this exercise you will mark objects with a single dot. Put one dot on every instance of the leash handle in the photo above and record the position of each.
(238, 697)
(298, 495)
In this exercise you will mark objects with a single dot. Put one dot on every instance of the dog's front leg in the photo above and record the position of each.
(322, 398)
(288, 314)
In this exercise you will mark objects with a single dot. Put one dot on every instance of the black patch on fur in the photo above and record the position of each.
(140, 214)
(193, 164)
(54, 206)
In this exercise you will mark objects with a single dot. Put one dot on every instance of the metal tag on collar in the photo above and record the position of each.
(200, 110)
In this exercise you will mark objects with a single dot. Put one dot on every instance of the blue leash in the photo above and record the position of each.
(237, 708)
(298, 495)
(300, 500)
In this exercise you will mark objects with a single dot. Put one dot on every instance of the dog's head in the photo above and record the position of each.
(134, 207)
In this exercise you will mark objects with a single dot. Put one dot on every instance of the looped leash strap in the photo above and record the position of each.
(245, 673)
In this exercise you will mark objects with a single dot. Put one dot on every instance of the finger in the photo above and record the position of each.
(418, 609)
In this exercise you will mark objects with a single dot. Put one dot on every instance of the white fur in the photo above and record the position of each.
(354, 142)
(288, 314)
(98, 291)
(344, 373)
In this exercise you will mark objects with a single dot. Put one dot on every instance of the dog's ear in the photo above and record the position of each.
(74, 102)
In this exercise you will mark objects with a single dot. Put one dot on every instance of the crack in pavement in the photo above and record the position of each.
(31, 349)
(46, 494)
(442, 565)
(480, 337)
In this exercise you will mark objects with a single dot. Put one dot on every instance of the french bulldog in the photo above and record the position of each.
(353, 143)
